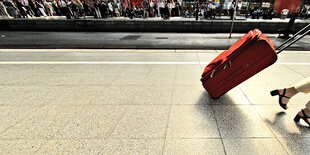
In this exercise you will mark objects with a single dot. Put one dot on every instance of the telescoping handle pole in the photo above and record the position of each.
(293, 36)
(293, 42)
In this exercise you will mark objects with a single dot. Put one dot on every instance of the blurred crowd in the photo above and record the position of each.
(74, 9)
(69, 8)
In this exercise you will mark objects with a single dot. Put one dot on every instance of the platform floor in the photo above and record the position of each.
(93, 101)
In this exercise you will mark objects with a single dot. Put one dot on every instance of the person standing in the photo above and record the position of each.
(155, 7)
(103, 9)
(27, 7)
(152, 8)
(41, 8)
(146, 6)
(196, 10)
(116, 9)
(232, 9)
(166, 11)
(62, 7)
(3, 10)
(162, 8)
(21, 9)
(110, 8)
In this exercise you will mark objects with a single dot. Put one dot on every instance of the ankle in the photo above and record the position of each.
(290, 92)
(307, 111)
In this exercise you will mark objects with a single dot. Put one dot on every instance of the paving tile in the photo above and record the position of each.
(99, 122)
(194, 146)
(52, 79)
(93, 122)
(281, 122)
(296, 145)
(133, 146)
(206, 57)
(172, 57)
(20, 146)
(253, 146)
(192, 121)
(98, 79)
(134, 95)
(277, 69)
(303, 70)
(240, 121)
(146, 79)
(294, 57)
(188, 75)
(143, 122)
(9, 68)
(198, 95)
(86, 68)
(34, 68)
(276, 80)
(75, 146)
(43, 124)
(11, 115)
(194, 95)
(261, 95)
(72, 95)
(146, 69)
(23, 96)
(11, 78)
(36, 96)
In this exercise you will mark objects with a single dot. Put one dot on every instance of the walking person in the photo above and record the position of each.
(287, 93)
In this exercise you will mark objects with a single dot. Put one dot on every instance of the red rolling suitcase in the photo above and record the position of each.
(248, 56)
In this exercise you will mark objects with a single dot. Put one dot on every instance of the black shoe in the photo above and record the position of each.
(276, 92)
(305, 117)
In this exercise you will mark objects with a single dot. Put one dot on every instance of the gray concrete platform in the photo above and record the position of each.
(143, 102)
(131, 40)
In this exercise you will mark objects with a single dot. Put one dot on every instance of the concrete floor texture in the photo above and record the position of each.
(147, 102)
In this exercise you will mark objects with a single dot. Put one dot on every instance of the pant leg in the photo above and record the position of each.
(303, 86)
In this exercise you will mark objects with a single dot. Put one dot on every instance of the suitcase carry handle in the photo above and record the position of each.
(291, 40)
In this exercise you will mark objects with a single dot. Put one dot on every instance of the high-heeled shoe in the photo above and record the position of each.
(276, 92)
(305, 117)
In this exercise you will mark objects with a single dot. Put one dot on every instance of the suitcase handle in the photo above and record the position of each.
(211, 75)
(291, 41)
(229, 63)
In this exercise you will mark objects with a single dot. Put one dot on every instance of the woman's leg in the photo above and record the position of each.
(303, 86)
